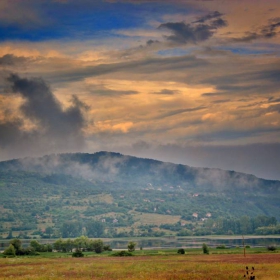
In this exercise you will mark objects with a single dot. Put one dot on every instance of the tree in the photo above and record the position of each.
(71, 229)
(98, 246)
(245, 225)
(10, 251)
(68, 245)
(36, 245)
(17, 244)
(58, 245)
(95, 229)
(10, 235)
(131, 246)
(49, 231)
(81, 242)
(205, 249)
(49, 247)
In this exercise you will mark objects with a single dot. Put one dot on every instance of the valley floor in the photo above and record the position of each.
(161, 266)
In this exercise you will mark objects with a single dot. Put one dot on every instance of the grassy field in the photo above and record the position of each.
(163, 265)
(155, 219)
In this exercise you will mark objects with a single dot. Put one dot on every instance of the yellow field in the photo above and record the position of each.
(160, 267)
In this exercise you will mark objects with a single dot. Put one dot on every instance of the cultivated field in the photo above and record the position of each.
(161, 267)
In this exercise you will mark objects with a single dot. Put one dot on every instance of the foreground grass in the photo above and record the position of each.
(165, 265)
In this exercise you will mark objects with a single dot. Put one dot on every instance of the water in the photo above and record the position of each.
(196, 242)
(175, 242)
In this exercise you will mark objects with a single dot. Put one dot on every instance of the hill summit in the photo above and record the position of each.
(109, 166)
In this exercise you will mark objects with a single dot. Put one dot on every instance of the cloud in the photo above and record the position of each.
(12, 60)
(221, 101)
(105, 91)
(19, 13)
(151, 66)
(249, 36)
(273, 108)
(218, 23)
(210, 94)
(270, 30)
(196, 31)
(109, 127)
(186, 33)
(180, 111)
(209, 16)
(249, 81)
(152, 42)
(264, 32)
(166, 92)
(52, 126)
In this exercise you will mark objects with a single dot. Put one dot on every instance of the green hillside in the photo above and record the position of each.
(109, 194)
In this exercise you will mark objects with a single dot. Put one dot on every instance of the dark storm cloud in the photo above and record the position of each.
(41, 105)
(194, 32)
(55, 128)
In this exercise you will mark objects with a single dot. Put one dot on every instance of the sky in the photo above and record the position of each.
(185, 81)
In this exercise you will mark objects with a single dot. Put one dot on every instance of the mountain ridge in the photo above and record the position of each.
(112, 164)
(130, 194)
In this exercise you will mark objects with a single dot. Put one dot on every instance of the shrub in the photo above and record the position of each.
(122, 254)
(181, 251)
(26, 251)
(10, 251)
(271, 247)
(221, 247)
(131, 246)
(78, 254)
(247, 246)
(205, 249)
(107, 248)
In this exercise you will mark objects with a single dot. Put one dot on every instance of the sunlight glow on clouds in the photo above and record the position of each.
(159, 79)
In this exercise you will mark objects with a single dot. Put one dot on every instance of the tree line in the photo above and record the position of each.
(75, 246)
(82, 243)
